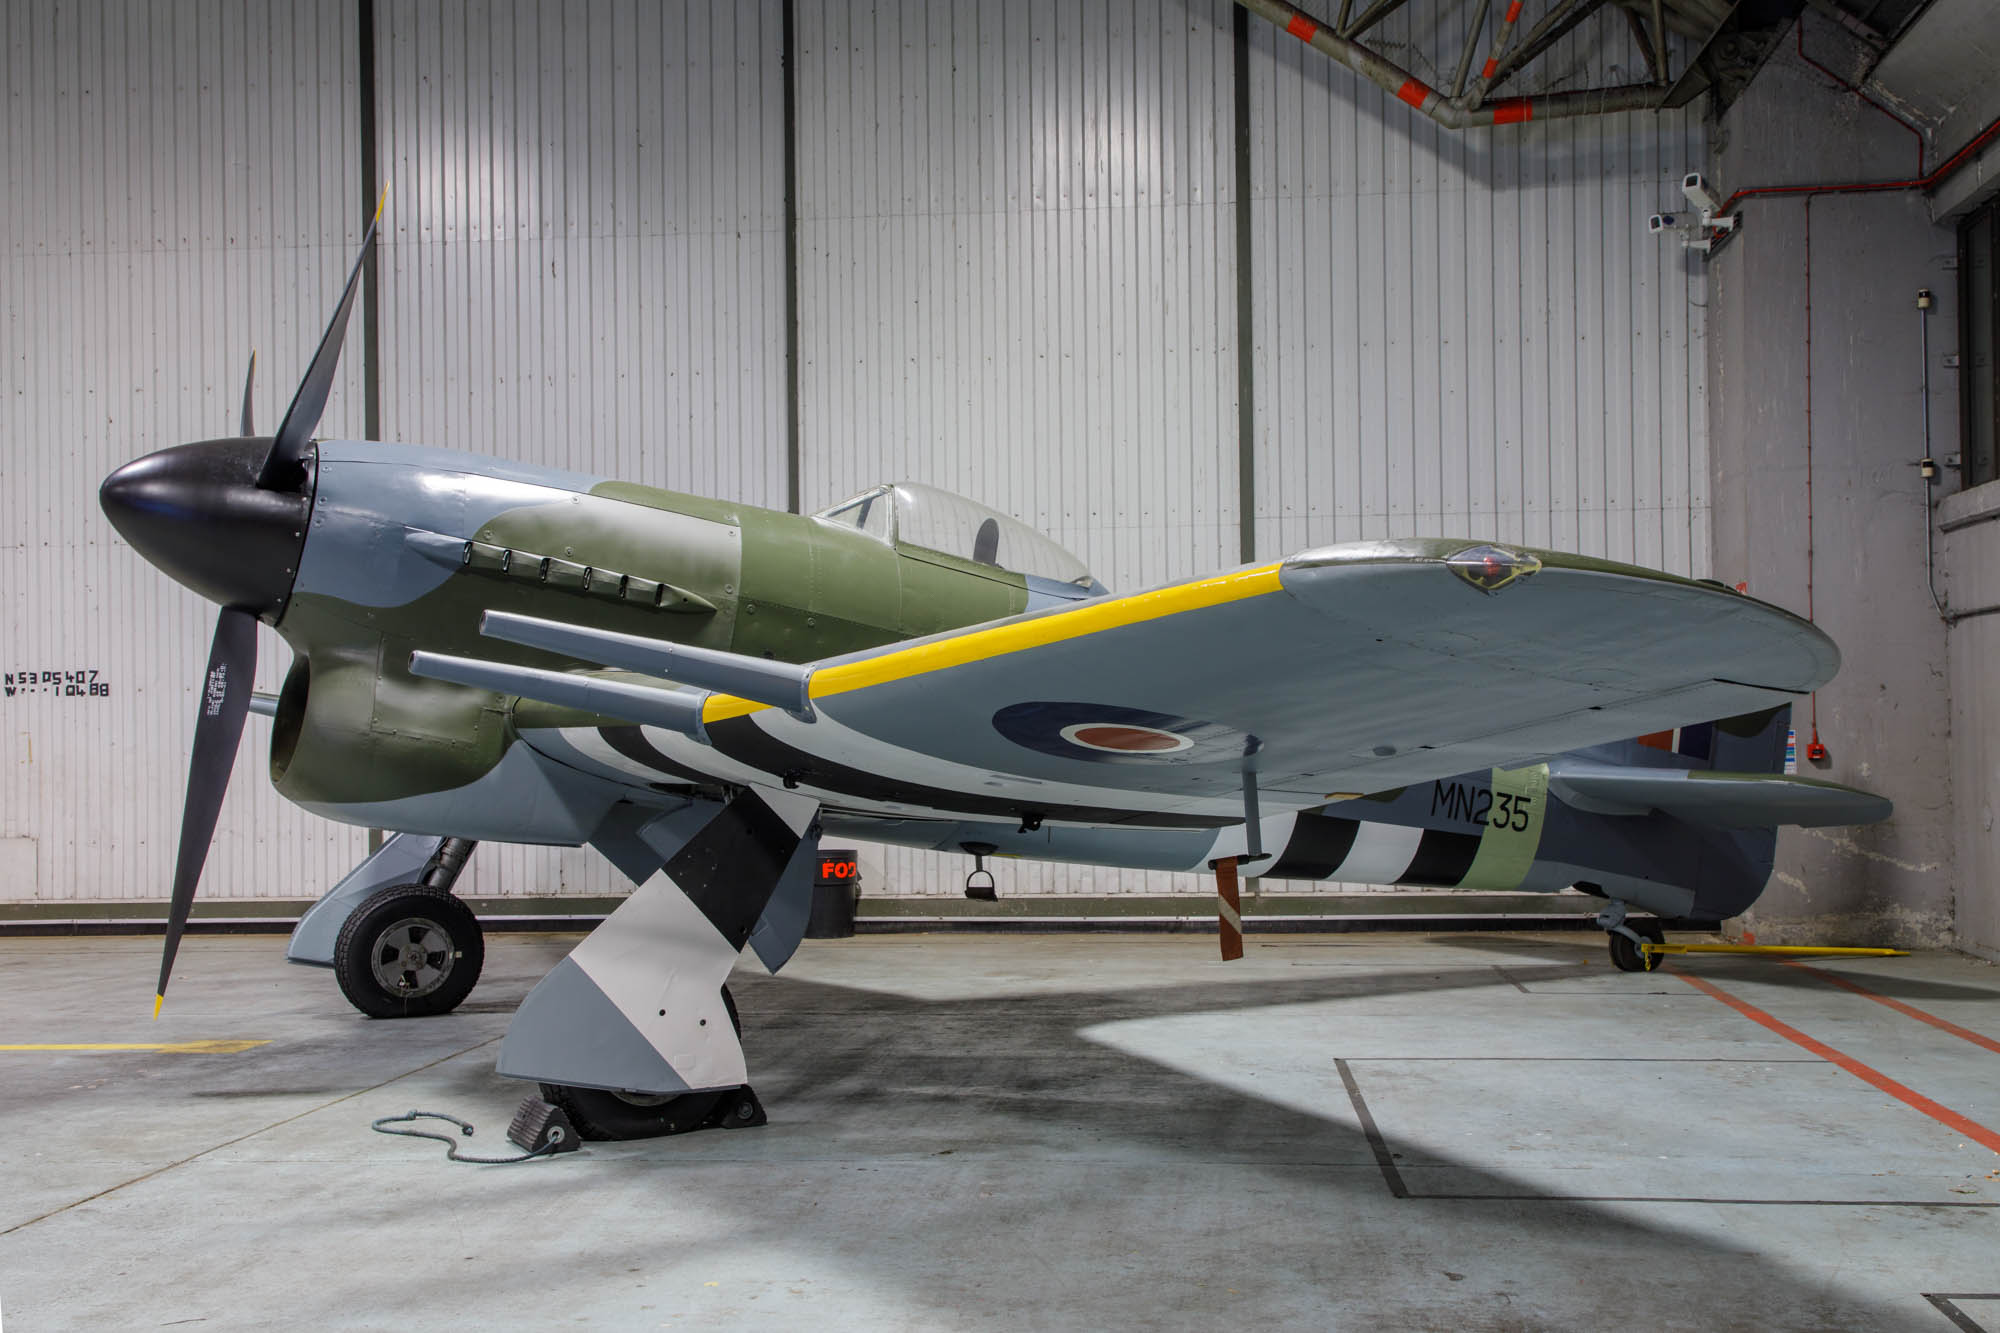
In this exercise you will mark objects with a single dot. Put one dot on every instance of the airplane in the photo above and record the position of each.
(702, 690)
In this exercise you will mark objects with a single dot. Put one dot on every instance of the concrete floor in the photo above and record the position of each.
(1357, 1131)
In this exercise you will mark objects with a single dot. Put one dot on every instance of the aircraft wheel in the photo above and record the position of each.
(601, 1114)
(1627, 956)
(409, 952)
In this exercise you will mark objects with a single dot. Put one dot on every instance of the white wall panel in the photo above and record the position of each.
(583, 263)
(181, 187)
(1472, 333)
(1017, 280)
(1016, 253)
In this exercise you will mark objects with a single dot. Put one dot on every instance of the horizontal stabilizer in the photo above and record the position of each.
(648, 705)
(1728, 800)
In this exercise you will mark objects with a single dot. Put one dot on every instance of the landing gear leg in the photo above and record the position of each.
(634, 1034)
(1626, 938)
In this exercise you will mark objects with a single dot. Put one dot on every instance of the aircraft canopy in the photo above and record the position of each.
(911, 514)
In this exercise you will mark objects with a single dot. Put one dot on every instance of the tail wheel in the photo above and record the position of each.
(409, 952)
(1627, 956)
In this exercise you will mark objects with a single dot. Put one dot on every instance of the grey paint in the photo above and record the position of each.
(523, 799)
(1885, 717)
(568, 1031)
(400, 860)
(369, 497)
(1434, 678)
(1720, 798)
(1138, 849)
(780, 684)
(783, 925)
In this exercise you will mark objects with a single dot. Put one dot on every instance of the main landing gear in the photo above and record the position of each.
(1625, 937)
(600, 1113)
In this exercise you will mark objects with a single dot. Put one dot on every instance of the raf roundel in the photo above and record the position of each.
(1123, 738)
(1101, 733)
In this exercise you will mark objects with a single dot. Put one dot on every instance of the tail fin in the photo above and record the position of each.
(1752, 743)
(1727, 781)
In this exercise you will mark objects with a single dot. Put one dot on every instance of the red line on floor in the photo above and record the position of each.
(1944, 1115)
(1835, 979)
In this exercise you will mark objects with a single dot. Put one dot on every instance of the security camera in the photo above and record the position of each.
(1699, 194)
(1660, 222)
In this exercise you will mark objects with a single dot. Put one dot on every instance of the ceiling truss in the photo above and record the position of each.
(1685, 47)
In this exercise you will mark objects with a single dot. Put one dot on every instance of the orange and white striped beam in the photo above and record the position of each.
(1407, 87)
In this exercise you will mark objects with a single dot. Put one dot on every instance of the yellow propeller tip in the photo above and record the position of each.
(380, 202)
(158, 1000)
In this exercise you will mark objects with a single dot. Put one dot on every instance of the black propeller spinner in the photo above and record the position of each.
(227, 518)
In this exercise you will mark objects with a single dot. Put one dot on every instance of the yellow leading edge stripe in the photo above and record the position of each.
(979, 645)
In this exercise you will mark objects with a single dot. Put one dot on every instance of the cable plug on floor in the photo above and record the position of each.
(540, 1129)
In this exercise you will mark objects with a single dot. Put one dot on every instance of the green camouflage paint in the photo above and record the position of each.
(355, 726)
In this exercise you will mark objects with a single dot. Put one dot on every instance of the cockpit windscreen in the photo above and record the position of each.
(912, 514)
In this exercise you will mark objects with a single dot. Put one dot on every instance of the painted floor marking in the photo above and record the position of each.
(1945, 1301)
(1908, 1010)
(212, 1046)
(1944, 1115)
(248, 1134)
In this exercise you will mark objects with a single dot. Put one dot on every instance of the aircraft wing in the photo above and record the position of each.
(1732, 800)
(1347, 670)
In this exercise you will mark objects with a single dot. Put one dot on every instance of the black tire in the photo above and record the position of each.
(397, 921)
(600, 1114)
(1627, 956)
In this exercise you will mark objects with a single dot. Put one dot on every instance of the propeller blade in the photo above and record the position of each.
(284, 465)
(218, 725)
(249, 378)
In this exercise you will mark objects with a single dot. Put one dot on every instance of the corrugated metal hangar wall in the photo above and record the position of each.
(1021, 273)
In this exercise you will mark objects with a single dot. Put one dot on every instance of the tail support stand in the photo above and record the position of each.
(1229, 909)
(1229, 902)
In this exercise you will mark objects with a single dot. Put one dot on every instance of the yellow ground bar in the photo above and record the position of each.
(1016, 635)
(213, 1046)
(1776, 950)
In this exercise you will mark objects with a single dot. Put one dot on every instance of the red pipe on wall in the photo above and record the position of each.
(1930, 182)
